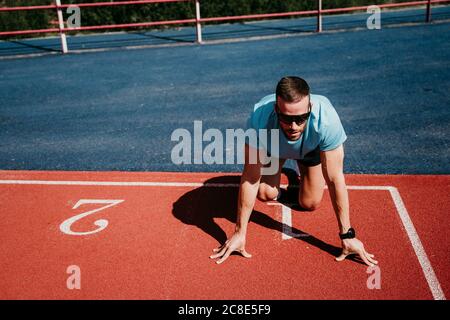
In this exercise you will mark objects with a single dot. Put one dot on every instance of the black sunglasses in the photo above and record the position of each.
(298, 119)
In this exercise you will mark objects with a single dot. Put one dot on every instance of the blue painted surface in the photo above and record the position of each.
(116, 110)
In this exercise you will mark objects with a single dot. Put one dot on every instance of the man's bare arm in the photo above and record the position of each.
(333, 171)
(248, 191)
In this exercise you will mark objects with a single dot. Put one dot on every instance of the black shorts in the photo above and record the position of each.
(311, 159)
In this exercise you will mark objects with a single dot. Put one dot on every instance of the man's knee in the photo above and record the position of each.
(310, 204)
(267, 193)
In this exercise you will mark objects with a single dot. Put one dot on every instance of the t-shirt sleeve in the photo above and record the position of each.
(258, 119)
(332, 133)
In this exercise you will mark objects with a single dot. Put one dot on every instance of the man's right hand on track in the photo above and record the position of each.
(235, 243)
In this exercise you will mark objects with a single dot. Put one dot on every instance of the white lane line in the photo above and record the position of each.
(419, 250)
(427, 269)
(119, 183)
(286, 219)
(156, 184)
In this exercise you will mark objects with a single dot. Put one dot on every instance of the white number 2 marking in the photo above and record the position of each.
(102, 223)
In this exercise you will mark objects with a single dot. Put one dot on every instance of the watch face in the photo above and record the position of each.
(349, 235)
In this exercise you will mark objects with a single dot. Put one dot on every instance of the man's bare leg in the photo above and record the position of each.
(312, 185)
(269, 186)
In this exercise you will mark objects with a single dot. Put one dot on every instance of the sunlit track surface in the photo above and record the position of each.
(131, 234)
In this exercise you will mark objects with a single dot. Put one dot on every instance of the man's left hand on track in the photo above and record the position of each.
(355, 246)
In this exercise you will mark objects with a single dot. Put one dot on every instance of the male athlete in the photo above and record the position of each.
(313, 135)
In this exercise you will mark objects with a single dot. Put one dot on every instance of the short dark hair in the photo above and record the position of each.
(292, 89)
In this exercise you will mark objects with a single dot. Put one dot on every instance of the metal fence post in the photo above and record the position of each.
(319, 16)
(198, 23)
(61, 27)
(428, 17)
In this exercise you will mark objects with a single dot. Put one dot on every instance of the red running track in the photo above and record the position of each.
(160, 234)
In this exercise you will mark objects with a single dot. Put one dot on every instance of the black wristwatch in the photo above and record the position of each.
(349, 235)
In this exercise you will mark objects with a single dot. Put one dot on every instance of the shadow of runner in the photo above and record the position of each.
(201, 206)
(25, 45)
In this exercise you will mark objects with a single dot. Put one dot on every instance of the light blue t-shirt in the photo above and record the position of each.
(323, 129)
